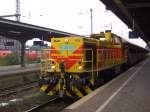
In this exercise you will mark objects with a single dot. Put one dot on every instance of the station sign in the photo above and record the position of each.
(133, 35)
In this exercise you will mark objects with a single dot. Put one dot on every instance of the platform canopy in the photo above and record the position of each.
(132, 10)
(23, 31)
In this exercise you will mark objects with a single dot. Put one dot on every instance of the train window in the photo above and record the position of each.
(112, 40)
(115, 40)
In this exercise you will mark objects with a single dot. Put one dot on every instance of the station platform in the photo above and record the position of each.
(15, 69)
(129, 92)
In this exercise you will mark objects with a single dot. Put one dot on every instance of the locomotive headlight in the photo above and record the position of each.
(66, 40)
(53, 67)
(80, 67)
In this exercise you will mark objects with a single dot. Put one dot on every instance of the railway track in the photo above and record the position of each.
(36, 108)
(6, 92)
(54, 105)
(13, 81)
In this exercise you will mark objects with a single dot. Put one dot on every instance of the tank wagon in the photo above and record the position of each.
(74, 65)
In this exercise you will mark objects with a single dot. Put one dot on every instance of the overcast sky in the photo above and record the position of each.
(66, 15)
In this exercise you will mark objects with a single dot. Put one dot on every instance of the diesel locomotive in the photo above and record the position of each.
(74, 66)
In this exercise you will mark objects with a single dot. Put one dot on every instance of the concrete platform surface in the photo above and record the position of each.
(14, 69)
(129, 92)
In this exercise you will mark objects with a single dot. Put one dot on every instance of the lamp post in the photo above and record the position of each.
(91, 11)
(91, 20)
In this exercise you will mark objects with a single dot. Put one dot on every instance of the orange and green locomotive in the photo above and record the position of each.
(73, 66)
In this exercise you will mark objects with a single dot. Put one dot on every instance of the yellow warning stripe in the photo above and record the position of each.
(57, 87)
(77, 92)
(67, 93)
(50, 93)
(87, 89)
(44, 87)
(92, 82)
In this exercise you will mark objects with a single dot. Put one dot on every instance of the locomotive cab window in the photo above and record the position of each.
(115, 40)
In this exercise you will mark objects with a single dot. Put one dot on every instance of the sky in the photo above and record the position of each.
(71, 16)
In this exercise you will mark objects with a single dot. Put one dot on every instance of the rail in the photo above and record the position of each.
(34, 109)
(53, 105)
(17, 89)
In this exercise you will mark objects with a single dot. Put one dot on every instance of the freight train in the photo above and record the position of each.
(75, 66)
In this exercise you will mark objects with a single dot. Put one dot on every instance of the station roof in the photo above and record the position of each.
(129, 10)
(24, 31)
